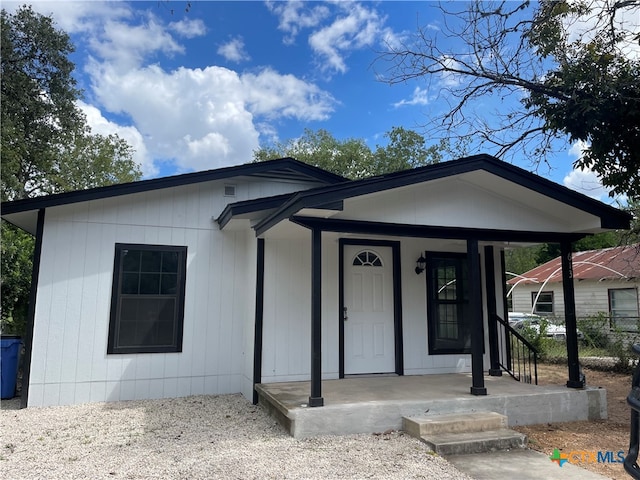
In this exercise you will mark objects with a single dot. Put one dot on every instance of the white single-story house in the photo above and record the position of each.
(213, 282)
(605, 281)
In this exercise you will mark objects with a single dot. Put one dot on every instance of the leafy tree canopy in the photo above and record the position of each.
(572, 66)
(353, 159)
(46, 144)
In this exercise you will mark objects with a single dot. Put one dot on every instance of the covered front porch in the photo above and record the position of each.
(404, 274)
(370, 404)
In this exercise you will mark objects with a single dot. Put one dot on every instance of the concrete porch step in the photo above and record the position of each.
(464, 433)
(475, 442)
(453, 423)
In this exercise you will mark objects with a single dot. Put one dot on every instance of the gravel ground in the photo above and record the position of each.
(193, 438)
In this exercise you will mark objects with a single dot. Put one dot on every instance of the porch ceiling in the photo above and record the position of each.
(463, 201)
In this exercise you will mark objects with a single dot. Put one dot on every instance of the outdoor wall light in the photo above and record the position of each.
(421, 264)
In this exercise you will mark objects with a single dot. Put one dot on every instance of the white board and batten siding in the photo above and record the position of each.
(417, 360)
(286, 354)
(70, 363)
(287, 306)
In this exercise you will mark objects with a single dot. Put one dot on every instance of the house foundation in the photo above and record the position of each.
(378, 404)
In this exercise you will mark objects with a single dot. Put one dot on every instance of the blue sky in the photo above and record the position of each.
(203, 89)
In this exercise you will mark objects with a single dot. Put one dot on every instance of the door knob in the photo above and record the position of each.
(344, 314)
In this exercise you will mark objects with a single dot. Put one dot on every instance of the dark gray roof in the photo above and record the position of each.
(284, 168)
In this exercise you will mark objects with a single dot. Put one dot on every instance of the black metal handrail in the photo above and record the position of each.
(517, 356)
(631, 460)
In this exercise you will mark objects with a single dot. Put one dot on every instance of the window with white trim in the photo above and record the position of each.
(623, 308)
(544, 303)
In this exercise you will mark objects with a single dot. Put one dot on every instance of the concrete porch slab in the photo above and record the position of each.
(376, 404)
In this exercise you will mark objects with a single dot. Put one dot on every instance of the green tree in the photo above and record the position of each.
(93, 161)
(15, 262)
(520, 260)
(569, 82)
(46, 144)
(352, 158)
(406, 149)
(632, 235)
(323, 150)
(39, 113)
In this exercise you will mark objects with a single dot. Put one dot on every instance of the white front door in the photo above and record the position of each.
(369, 345)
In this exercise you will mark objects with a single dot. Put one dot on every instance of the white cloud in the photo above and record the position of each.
(271, 94)
(189, 28)
(296, 15)
(100, 125)
(577, 148)
(335, 29)
(391, 40)
(181, 112)
(205, 118)
(234, 50)
(194, 118)
(75, 17)
(128, 46)
(419, 97)
(593, 24)
(360, 28)
(451, 79)
(584, 180)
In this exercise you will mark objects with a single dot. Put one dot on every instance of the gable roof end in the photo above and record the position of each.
(610, 217)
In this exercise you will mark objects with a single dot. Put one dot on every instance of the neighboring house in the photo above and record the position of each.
(211, 282)
(605, 282)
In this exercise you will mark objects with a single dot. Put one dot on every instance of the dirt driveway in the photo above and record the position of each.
(611, 435)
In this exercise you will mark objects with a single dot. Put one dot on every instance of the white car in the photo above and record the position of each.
(519, 321)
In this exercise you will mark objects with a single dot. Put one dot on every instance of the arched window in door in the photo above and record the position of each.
(367, 258)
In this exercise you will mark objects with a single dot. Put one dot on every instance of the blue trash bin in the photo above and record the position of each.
(11, 345)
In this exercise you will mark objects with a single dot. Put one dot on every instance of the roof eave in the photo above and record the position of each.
(610, 217)
(249, 169)
(250, 206)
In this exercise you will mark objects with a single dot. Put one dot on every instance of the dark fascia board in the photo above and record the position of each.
(610, 217)
(287, 168)
(261, 204)
(250, 206)
(430, 231)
